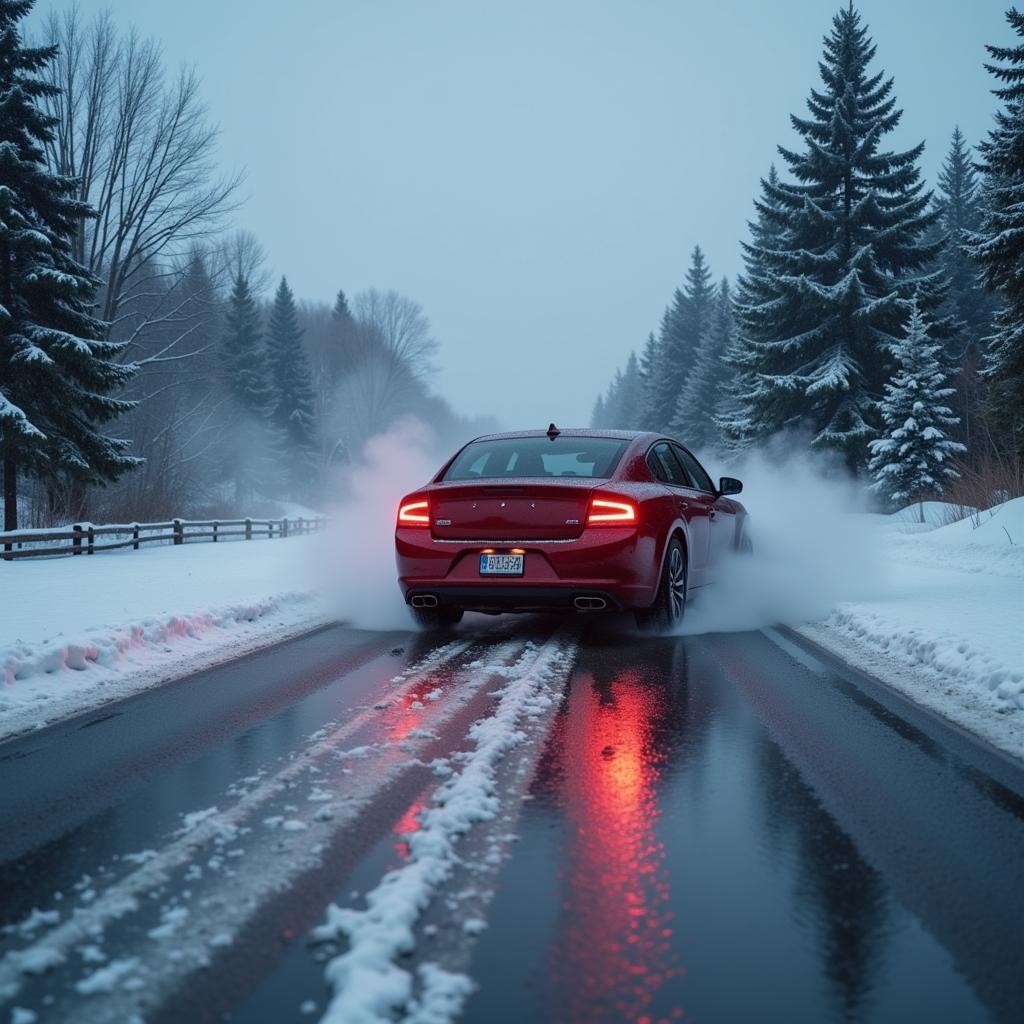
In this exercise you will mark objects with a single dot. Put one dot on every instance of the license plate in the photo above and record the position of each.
(501, 565)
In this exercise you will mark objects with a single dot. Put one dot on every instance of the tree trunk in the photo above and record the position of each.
(10, 491)
(78, 499)
(10, 454)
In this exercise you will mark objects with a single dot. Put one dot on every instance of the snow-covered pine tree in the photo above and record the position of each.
(970, 306)
(291, 389)
(57, 371)
(341, 310)
(753, 287)
(913, 459)
(242, 353)
(958, 202)
(851, 256)
(683, 325)
(998, 244)
(648, 362)
(631, 396)
(660, 384)
(621, 406)
(704, 390)
(694, 327)
(203, 309)
(613, 401)
(250, 455)
(333, 367)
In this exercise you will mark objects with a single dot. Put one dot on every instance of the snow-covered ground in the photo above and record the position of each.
(947, 626)
(78, 632)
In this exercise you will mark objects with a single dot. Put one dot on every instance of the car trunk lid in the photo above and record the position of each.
(510, 510)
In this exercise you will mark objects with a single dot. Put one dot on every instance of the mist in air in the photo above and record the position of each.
(355, 565)
(811, 547)
(811, 550)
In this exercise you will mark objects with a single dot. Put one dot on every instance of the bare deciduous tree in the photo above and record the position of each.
(401, 325)
(240, 255)
(144, 152)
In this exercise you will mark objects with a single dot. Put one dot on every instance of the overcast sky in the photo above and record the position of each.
(534, 172)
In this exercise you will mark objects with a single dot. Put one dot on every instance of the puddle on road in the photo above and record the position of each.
(677, 863)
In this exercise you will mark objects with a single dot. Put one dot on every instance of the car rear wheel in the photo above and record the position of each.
(437, 617)
(670, 603)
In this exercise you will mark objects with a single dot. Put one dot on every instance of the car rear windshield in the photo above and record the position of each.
(594, 457)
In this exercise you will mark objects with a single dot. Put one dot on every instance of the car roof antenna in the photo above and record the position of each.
(553, 431)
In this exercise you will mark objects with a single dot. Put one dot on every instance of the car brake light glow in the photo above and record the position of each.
(605, 512)
(414, 513)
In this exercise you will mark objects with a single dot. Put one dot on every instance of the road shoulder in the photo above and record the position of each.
(976, 710)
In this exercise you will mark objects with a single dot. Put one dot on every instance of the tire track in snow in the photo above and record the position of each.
(338, 795)
(368, 983)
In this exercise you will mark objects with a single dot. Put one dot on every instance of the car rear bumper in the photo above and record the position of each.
(617, 565)
(504, 598)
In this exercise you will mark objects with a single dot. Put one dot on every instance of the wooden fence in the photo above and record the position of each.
(87, 539)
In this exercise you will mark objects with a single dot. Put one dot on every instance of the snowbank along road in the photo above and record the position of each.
(521, 820)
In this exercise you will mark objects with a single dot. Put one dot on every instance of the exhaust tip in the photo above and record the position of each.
(590, 604)
(424, 601)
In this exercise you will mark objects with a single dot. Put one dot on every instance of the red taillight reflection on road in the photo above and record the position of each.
(617, 930)
(406, 825)
(404, 717)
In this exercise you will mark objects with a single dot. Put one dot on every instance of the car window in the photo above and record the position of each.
(701, 480)
(665, 467)
(594, 457)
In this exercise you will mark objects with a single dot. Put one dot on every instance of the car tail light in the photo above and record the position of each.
(414, 513)
(611, 512)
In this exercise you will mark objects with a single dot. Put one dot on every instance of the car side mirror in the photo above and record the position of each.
(729, 485)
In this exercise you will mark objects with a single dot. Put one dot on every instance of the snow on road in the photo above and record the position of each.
(78, 632)
(946, 627)
(226, 860)
(368, 981)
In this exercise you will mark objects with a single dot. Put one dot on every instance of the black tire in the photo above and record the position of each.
(437, 617)
(670, 603)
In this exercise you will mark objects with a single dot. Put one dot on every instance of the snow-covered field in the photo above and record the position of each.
(78, 632)
(946, 627)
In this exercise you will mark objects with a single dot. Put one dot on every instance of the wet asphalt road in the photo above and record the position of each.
(725, 828)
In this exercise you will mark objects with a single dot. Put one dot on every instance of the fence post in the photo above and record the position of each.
(284, 527)
(299, 525)
(135, 536)
(248, 528)
(76, 541)
(215, 523)
(91, 537)
(179, 531)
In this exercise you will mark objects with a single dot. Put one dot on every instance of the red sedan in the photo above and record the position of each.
(565, 520)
